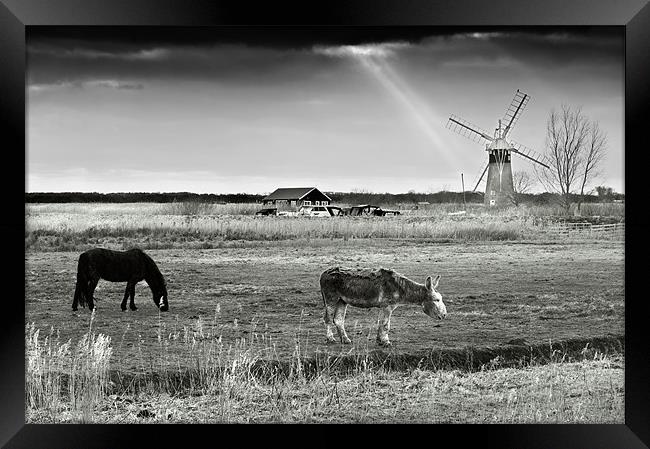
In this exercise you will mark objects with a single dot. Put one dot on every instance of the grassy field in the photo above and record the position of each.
(586, 391)
(189, 208)
(158, 226)
(534, 331)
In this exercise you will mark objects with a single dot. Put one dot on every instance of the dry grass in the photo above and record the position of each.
(64, 376)
(175, 208)
(236, 383)
(157, 226)
(584, 392)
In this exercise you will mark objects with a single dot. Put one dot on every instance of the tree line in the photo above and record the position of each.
(139, 197)
(412, 198)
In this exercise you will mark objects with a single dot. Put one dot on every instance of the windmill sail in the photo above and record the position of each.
(484, 168)
(526, 152)
(465, 128)
(515, 110)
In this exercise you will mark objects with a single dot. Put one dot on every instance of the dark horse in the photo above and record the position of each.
(131, 266)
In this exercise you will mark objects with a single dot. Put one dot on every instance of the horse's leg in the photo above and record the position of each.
(77, 292)
(126, 295)
(80, 284)
(339, 321)
(131, 288)
(92, 284)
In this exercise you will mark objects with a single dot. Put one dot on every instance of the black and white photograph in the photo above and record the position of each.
(329, 224)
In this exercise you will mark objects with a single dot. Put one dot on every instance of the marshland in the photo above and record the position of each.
(534, 331)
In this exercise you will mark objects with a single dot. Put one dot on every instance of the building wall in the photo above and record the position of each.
(316, 198)
(312, 198)
(499, 189)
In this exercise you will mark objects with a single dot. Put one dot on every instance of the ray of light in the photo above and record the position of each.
(423, 117)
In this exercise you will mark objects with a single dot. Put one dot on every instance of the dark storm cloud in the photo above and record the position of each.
(283, 55)
(548, 49)
(560, 47)
(58, 54)
(122, 39)
(110, 84)
(70, 60)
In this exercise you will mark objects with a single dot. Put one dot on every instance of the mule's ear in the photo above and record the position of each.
(427, 283)
(435, 281)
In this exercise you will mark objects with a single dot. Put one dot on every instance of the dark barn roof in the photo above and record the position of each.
(292, 193)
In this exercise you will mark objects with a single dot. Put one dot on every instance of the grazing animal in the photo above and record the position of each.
(381, 288)
(130, 266)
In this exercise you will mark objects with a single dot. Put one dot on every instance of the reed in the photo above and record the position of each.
(66, 377)
(215, 381)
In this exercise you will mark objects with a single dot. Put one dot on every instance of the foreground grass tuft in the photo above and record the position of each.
(64, 376)
(234, 383)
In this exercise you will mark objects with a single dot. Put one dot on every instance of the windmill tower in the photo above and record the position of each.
(499, 189)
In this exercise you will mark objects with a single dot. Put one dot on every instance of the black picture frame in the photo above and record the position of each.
(16, 15)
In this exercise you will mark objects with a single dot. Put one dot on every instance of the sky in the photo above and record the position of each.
(249, 110)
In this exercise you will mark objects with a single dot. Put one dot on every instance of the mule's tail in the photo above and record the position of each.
(326, 316)
(324, 285)
(82, 283)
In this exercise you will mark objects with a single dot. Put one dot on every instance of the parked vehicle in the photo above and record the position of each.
(267, 211)
(368, 209)
(314, 211)
(335, 211)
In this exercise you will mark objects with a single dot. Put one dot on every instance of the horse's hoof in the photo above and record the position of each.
(134, 308)
(164, 308)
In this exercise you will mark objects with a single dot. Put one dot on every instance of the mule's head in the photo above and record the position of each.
(433, 305)
(160, 296)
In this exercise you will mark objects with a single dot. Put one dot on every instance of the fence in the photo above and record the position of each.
(613, 231)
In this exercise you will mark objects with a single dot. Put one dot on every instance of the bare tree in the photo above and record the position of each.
(361, 195)
(604, 192)
(593, 156)
(574, 149)
(521, 184)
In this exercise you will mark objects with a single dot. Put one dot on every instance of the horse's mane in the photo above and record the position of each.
(153, 274)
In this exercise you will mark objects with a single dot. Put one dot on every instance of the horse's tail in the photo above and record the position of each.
(82, 282)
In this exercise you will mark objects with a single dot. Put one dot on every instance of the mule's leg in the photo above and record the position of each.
(92, 284)
(339, 321)
(328, 318)
(131, 287)
(384, 325)
(329, 322)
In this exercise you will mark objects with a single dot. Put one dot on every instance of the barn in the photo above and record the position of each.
(297, 196)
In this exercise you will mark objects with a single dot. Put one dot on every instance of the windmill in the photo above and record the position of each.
(499, 188)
